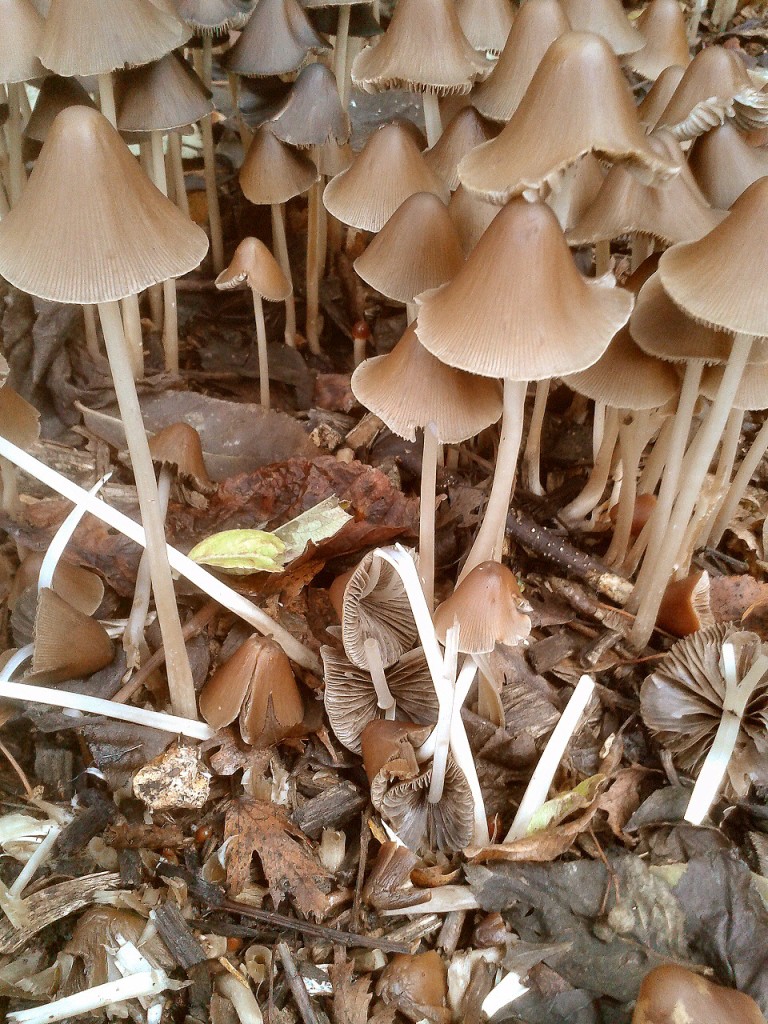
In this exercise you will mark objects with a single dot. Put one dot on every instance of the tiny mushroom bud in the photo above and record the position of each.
(673, 995)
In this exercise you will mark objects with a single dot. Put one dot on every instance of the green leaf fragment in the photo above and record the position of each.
(564, 804)
(313, 526)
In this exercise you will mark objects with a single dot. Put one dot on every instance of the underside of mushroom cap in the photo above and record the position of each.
(459, 404)
(178, 446)
(605, 18)
(376, 607)
(273, 172)
(210, 17)
(90, 227)
(519, 308)
(752, 392)
(446, 825)
(160, 96)
(254, 264)
(724, 164)
(311, 114)
(663, 29)
(276, 40)
(22, 30)
(577, 102)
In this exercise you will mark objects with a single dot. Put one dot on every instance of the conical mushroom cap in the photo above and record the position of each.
(19, 420)
(209, 17)
(486, 605)
(178, 446)
(56, 94)
(94, 37)
(392, 386)
(423, 49)
(470, 215)
(465, 131)
(662, 26)
(659, 95)
(519, 308)
(485, 23)
(577, 191)
(253, 263)
(722, 279)
(160, 96)
(605, 18)
(276, 40)
(724, 164)
(625, 377)
(752, 393)
(537, 25)
(68, 644)
(22, 30)
(78, 586)
(387, 170)
(274, 173)
(674, 212)
(577, 102)
(90, 226)
(418, 248)
(312, 114)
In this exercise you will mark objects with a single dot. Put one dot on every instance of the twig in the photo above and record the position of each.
(17, 768)
(296, 984)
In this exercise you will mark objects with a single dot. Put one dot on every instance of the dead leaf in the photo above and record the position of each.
(731, 596)
(543, 846)
(621, 799)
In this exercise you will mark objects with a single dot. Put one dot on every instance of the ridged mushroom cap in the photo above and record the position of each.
(276, 40)
(90, 226)
(577, 191)
(68, 644)
(578, 102)
(685, 606)
(519, 308)
(485, 23)
(724, 164)
(210, 17)
(463, 132)
(418, 980)
(625, 377)
(487, 607)
(254, 264)
(423, 49)
(392, 386)
(387, 170)
(471, 216)
(376, 607)
(160, 96)
(751, 394)
(20, 41)
(56, 94)
(663, 29)
(311, 114)
(605, 18)
(658, 96)
(78, 586)
(273, 172)
(537, 25)
(418, 248)
(178, 446)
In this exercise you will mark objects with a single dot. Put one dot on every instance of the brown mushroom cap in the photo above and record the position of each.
(471, 216)
(68, 644)
(254, 264)
(577, 102)
(410, 981)
(537, 25)
(210, 17)
(389, 744)
(418, 248)
(751, 394)
(465, 130)
(423, 49)
(501, 317)
(55, 94)
(160, 96)
(387, 170)
(20, 41)
(605, 18)
(273, 172)
(19, 420)
(724, 164)
(311, 114)
(669, 994)
(486, 605)
(577, 191)
(178, 446)
(485, 23)
(685, 605)
(376, 607)
(73, 237)
(276, 40)
(662, 27)
(658, 96)
(459, 404)
(78, 586)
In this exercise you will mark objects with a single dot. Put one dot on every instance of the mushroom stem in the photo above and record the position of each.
(134, 336)
(442, 731)
(242, 127)
(592, 491)
(642, 248)
(633, 437)
(737, 696)
(375, 665)
(462, 752)
(242, 998)
(170, 315)
(340, 55)
(432, 120)
(17, 172)
(701, 452)
(261, 342)
(315, 261)
(487, 545)
(177, 171)
(180, 684)
(280, 247)
(693, 21)
(657, 457)
(427, 513)
(203, 62)
(739, 484)
(411, 312)
(107, 98)
(10, 501)
(602, 257)
(598, 428)
(91, 334)
(61, 538)
(722, 14)
(532, 454)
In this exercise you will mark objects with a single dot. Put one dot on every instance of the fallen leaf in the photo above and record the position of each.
(543, 846)
(731, 596)
(553, 811)
(621, 799)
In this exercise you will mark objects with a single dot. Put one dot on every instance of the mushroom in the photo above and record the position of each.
(659, 95)
(466, 130)
(20, 424)
(341, 43)
(255, 265)
(605, 18)
(68, 644)
(417, 985)
(662, 25)
(486, 23)
(470, 215)
(724, 164)
(685, 606)
(276, 40)
(79, 587)
(19, 46)
(669, 994)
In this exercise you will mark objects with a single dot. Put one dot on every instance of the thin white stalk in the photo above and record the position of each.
(280, 247)
(177, 172)
(592, 492)
(242, 128)
(375, 665)
(723, 13)
(196, 574)
(61, 538)
(538, 788)
(462, 752)
(135, 986)
(242, 998)
(598, 428)
(36, 861)
(203, 66)
(641, 249)
(656, 460)
(134, 336)
(107, 98)
(15, 661)
(444, 715)
(740, 482)
(427, 513)
(633, 438)
(17, 171)
(340, 55)
(261, 345)
(507, 991)
(315, 263)
(699, 6)
(432, 120)
(91, 334)
(170, 315)
(532, 454)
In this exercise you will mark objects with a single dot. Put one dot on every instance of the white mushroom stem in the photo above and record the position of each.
(487, 545)
(702, 450)
(633, 437)
(135, 986)
(280, 247)
(432, 120)
(61, 538)
(427, 513)
(602, 257)
(315, 261)
(592, 492)
(507, 991)
(532, 454)
(375, 665)
(740, 482)
(203, 66)
(723, 13)
(598, 427)
(261, 346)
(10, 500)
(641, 249)
(538, 788)
(35, 862)
(170, 315)
(239, 993)
(462, 752)
(17, 172)
(91, 334)
(134, 336)
(445, 699)
(656, 459)
(196, 574)
(340, 54)
(107, 98)
(737, 696)
(177, 172)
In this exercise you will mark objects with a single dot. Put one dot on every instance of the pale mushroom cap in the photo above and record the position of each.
(577, 191)
(276, 40)
(519, 308)
(387, 170)
(214, 16)
(722, 279)
(658, 96)
(274, 173)
(485, 23)
(724, 164)
(662, 26)
(56, 94)
(160, 96)
(376, 607)
(178, 446)
(22, 30)
(537, 25)
(460, 136)
(418, 248)
(486, 605)
(706, 89)
(90, 227)
(470, 215)
(255, 265)
(68, 644)
(607, 19)
(752, 392)
(312, 114)
(393, 387)
(625, 377)
(423, 49)
(577, 102)
(118, 35)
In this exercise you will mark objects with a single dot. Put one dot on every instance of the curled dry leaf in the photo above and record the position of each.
(387, 887)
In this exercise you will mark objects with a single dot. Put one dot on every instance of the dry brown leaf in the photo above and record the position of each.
(731, 596)
(542, 846)
(621, 799)
(253, 826)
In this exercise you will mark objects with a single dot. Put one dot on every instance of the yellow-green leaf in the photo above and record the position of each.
(561, 806)
(240, 552)
(317, 524)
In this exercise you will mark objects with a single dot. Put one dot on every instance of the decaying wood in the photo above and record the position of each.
(330, 809)
(177, 936)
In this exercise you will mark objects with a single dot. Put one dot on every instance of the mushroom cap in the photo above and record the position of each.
(658, 96)
(470, 215)
(376, 607)
(420, 979)
(486, 605)
(311, 114)
(459, 404)
(160, 96)
(387, 170)
(273, 172)
(577, 102)
(502, 316)
(276, 40)
(673, 212)
(722, 279)
(671, 993)
(485, 23)
(446, 825)
(90, 226)
(178, 446)
(390, 744)
(210, 17)
(117, 35)
(78, 586)
(253, 263)
(724, 164)
(465, 130)
(20, 41)
(418, 248)
(751, 394)
(685, 606)
(577, 191)
(537, 25)
(56, 93)
(662, 26)
(68, 643)
(423, 50)
(605, 18)
(19, 420)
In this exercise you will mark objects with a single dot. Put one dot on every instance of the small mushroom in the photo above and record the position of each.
(417, 984)
(673, 995)
(67, 644)
(685, 606)
(387, 886)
